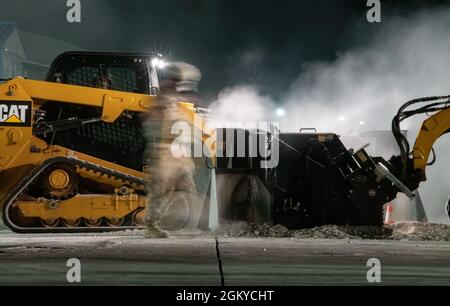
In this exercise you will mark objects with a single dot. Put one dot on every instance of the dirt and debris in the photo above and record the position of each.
(413, 231)
(343, 232)
(416, 231)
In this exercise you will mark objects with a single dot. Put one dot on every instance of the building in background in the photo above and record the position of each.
(12, 53)
(27, 54)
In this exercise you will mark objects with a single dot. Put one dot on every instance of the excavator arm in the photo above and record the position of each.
(410, 166)
(432, 128)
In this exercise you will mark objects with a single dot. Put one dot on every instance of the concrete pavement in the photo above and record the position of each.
(190, 259)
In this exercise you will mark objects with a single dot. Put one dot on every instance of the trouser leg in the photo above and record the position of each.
(169, 176)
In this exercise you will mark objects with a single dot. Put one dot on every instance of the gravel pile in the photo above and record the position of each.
(416, 231)
(413, 231)
(249, 230)
(343, 232)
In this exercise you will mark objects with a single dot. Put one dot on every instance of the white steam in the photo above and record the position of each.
(409, 58)
(241, 104)
(363, 89)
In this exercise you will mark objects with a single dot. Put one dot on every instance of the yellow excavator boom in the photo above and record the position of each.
(432, 128)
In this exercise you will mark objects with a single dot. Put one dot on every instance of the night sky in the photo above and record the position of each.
(259, 42)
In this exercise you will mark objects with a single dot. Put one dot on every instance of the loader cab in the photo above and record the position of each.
(115, 71)
(120, 142)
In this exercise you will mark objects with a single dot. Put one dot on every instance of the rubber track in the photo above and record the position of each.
(29, 179)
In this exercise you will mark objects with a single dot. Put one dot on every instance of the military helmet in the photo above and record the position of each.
(185, 75)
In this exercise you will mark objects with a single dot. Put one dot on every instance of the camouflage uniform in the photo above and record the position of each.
(168, 174)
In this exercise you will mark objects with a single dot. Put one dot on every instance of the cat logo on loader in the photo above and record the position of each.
(15, 113)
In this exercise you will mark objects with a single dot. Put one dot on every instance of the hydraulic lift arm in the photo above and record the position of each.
(432, 128)
(113, 103)
(410, 166)
(382, 180)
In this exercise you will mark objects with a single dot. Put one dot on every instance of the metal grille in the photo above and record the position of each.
(84, 76)
(119, 78)
(123, 79)
(122, 134)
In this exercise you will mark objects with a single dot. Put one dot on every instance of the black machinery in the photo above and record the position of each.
(316, 181)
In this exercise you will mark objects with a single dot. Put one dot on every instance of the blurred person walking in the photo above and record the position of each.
(169, 174)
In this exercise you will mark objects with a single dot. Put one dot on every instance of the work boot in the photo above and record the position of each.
(154, 231)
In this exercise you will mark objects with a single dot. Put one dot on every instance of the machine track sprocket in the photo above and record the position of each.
(59, 181)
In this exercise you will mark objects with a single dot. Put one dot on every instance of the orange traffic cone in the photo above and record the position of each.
(389, 210)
